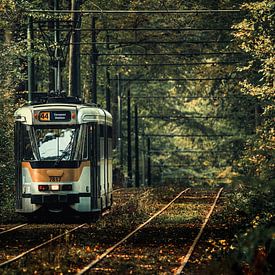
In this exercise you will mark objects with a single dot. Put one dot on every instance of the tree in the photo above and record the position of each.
(256, 38)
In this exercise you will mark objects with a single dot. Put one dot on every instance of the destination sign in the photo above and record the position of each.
(54, 116)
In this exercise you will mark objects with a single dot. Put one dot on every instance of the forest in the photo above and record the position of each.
(195, 92)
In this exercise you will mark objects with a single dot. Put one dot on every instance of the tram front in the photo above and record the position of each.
(53, 160)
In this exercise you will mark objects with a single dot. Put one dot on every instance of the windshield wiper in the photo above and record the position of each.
(65, 151)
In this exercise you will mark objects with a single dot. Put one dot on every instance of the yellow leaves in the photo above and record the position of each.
(96, 248)
(255, 222)
(206, 163)
(216, 246)
(224, 173)
(223, 242)
(88, 249)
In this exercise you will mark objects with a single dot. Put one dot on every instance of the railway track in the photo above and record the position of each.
(183, 259)
(12, 229)
(50, 240)
(112, 257)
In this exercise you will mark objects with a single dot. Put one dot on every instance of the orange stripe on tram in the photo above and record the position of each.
(55, 175)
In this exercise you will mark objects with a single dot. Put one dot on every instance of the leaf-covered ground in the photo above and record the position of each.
(155, 249)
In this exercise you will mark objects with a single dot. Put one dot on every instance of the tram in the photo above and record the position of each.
(63, 155)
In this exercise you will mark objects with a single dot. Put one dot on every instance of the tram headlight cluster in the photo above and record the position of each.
(55, 187)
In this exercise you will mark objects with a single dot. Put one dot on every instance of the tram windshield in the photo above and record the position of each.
(55, 143)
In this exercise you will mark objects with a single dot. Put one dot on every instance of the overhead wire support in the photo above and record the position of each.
(93, 61)
(31, 65)
(129, 139)
(137, 178)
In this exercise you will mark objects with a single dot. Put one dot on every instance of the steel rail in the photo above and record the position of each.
(39, 246)
(184, 259)
(13, 228)
(112, 248)
(136, 11)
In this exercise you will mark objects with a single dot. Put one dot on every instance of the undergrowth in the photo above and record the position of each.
(252, 251)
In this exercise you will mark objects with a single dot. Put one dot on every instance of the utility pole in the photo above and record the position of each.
(93, 61)
(149, 172)
(136, 148)
(143, 161)
(30, 37)
(74, 52)
(129, 183)
(108, 82)
(119, 121)
(57, 58)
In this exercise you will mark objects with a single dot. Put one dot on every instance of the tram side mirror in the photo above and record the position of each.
(63, 93)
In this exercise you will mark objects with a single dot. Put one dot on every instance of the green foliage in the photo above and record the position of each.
(253, 196)
(256, 37)
(253, 249)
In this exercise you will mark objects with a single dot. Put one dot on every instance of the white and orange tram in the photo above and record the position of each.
(63, 154)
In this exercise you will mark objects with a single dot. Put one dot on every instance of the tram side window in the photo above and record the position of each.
(27, 148)
(81, 151)
(110, 131)
(110, 146)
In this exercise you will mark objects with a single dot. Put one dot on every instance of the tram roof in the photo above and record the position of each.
(62, 113)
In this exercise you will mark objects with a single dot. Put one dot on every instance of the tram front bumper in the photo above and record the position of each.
(55, 199)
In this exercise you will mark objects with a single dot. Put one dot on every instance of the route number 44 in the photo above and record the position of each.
(44, 116)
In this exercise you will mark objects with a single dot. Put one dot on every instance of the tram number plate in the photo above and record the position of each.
(55, 179)
(44, 116)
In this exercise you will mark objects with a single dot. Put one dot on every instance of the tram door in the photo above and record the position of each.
(18, 160)
(106, 165)
(95, 168)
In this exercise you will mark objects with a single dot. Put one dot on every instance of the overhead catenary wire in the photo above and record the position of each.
(171, 64)
(234, 115)
(128, 43)
(137, 11)
(150, 29)
(191, 136)
(177, 79)
(167, 54)
(184, 97)
(188, 151)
